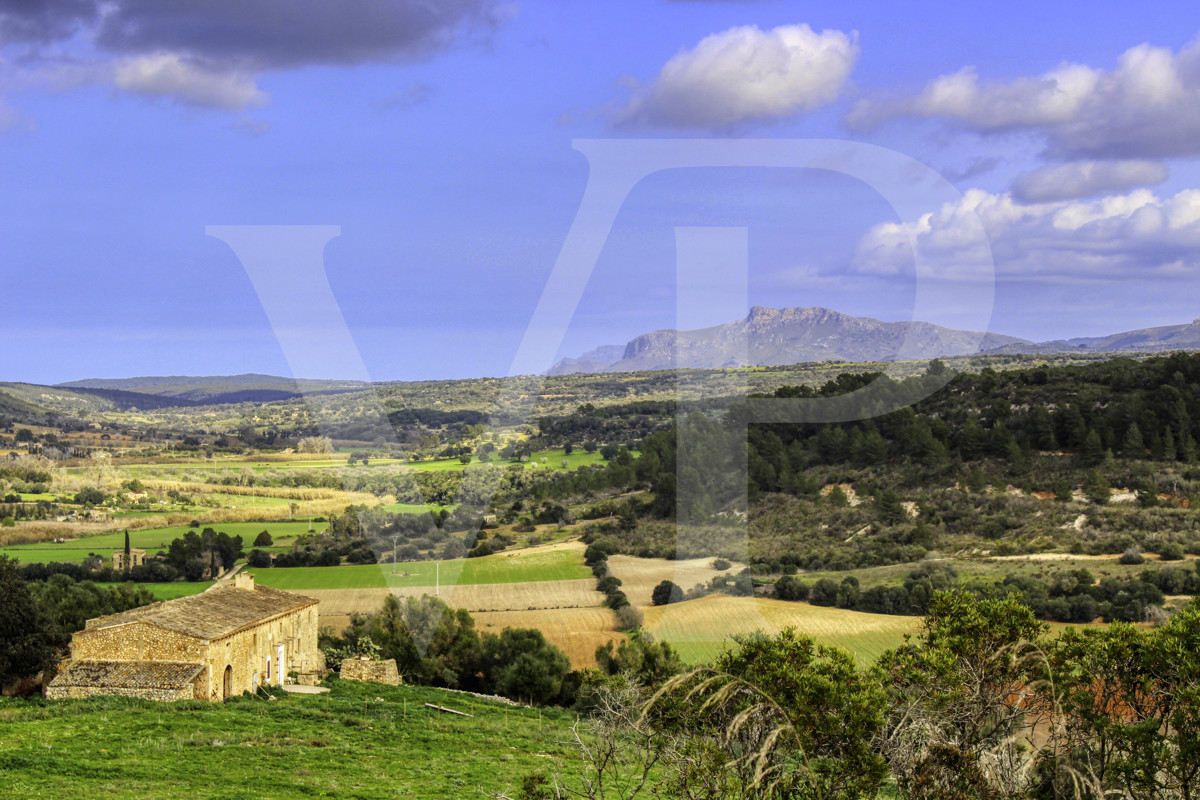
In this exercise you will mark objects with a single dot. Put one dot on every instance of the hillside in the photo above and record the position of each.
(770, 336)
(1145, 340)
(360, 740)
(214, 389)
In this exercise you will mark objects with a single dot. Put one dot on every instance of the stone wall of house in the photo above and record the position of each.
(80, 692)
(247, 652)
(356, 669)
(136, 641)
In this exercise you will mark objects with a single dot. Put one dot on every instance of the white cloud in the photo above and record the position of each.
(1147, 106)
(170, 75)
(1081, 179)
(1119, 236)
(743, 75)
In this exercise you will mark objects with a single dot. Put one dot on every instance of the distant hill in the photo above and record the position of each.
(84, 401)
(213, 389)
(1146, 340)
(773, 336)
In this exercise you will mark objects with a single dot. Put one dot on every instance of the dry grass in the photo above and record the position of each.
(307, 494)
(570, 611)
(639, 576)
(699, 628)
(575, 631)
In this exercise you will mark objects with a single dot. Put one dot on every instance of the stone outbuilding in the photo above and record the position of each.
(136, 559)
(209, 646)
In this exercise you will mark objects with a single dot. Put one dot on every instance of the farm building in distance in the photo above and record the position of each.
(136, 559)
(208, 646)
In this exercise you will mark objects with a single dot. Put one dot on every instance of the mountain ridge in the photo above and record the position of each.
(773, 336)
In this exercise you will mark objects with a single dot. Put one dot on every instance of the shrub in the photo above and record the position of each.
(665, 593)
(1171, 551)
(1132, 556)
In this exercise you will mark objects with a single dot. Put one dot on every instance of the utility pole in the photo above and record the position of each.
(437, 579)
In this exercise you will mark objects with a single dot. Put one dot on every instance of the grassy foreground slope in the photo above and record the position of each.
(359, 741)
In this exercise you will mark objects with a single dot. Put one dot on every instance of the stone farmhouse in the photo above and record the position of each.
(209, 646)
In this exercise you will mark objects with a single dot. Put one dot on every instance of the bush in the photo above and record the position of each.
(720, 564)
(789, 587)
(1132, 556)
(90, 496)
(1170, 551)
(665, 593)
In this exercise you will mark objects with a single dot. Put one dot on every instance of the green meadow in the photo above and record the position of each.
(500, 568)
(362, 740)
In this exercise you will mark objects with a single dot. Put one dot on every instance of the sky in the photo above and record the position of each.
(1048, 160)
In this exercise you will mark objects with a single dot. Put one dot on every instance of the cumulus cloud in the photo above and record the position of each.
(1081, 179)
(1147, 106)
(209, 52)
(745, 74)
(1112, 237)
(170, 75)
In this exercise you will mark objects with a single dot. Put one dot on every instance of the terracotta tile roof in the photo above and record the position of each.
(128, 674)
(213, 614)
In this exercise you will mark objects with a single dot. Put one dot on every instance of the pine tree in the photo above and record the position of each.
(1133, 446)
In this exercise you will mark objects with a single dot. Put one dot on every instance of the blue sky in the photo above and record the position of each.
(439, 137)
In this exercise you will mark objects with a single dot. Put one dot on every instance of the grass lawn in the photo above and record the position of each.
(528, 567)
(359, 741)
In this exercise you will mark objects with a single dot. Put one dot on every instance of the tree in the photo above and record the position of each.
(258, 559)
(89, 496)
(964, 699)
(665, 593)
(263, 540)
(789, 587)
(776, 717)
(1097, 488)
(890, 507)
(838, 498)
(28, 642)
(521, 664)
(649, 662)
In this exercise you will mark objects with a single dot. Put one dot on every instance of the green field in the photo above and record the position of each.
(151, 540)
(169, 591)
(544, 459)
(556, 565)
(867, 648)
(362, 740)
(415, 508)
